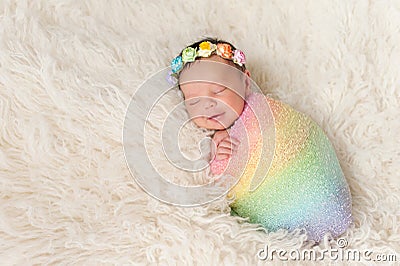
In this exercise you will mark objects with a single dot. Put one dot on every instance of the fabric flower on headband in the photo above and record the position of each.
(224, 50)
(206, 49)
(239, 58)
(189, 54)
(176, 64)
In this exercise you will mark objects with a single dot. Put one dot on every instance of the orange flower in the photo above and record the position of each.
(224, 50)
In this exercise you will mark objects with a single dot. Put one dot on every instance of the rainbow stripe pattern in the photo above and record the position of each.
(303, 187)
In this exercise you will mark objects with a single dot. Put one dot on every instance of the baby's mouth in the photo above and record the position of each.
(216, 117)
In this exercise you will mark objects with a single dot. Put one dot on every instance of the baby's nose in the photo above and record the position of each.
(210, 103)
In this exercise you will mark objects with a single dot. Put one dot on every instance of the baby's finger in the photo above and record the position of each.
(226, 145)
(222, 156)
(234, 141)
(224, 150)
(219, 136)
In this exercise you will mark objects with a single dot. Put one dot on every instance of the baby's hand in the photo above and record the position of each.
(223, 145)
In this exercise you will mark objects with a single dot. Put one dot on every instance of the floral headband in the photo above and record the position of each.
(205, 49)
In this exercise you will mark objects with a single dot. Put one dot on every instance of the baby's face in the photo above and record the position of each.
(214, 92)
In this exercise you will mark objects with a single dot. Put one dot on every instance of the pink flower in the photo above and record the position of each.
(239, 57)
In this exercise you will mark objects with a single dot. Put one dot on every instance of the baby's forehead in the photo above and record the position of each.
(197, 88)
(211, 72)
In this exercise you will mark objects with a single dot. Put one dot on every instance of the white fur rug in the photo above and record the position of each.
(68, 70)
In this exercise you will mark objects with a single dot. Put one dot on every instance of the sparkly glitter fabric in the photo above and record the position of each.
(302, 187)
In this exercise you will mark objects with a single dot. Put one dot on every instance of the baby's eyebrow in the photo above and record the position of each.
(187, 95)
(191, 97)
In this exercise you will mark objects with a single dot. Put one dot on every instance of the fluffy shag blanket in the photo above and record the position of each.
(68, 70)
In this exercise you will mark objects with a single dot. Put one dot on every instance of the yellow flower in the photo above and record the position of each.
(206, 48)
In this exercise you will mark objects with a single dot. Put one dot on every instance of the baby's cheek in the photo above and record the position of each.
(195, 111)
(201, 122)
(198, 121)
(235, 105)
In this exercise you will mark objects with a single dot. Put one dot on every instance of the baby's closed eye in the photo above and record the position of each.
(193, 102)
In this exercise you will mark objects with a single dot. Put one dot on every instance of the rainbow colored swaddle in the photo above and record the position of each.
(301, 185)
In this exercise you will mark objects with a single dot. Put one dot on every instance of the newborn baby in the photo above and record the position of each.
(287, 172)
